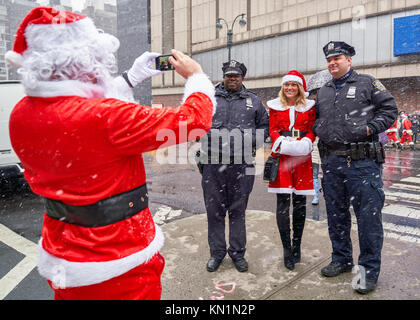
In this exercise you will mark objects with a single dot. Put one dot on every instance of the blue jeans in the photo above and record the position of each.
(361, 185)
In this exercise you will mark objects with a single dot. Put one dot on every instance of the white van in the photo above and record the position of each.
(10, 168)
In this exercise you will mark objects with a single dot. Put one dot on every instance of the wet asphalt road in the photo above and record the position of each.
(175, 193)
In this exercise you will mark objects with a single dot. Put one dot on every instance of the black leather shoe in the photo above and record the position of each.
(370, 285)
(241, 264)
(213, 264)
(336, 268)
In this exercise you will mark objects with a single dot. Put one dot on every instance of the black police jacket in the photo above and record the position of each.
(342, 116)
(240, 124)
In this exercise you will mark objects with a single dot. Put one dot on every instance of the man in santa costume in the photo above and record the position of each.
(407, 132)
(392, 135)
(82, 152)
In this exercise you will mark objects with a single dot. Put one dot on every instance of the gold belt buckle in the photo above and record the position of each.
(295, 133)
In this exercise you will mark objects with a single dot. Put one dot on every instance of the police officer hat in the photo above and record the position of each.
(335, 48)
(234, 67)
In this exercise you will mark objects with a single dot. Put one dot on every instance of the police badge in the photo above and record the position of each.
(331, 47)
(378, 85)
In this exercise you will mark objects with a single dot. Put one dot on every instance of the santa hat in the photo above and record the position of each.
(296, 76)
(58, 27)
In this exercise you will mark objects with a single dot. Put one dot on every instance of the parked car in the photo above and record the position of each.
(11, 170)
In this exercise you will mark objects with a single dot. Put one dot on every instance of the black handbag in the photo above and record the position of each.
(271, 168)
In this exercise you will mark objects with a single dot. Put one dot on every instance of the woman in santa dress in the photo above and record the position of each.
(291, 118)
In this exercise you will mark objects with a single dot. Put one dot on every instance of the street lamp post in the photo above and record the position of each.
(219, 26)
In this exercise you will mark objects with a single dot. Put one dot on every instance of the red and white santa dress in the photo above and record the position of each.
(406, 134)
(79, 147)
(295, 169)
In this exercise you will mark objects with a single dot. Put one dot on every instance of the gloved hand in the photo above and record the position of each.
(143, 68)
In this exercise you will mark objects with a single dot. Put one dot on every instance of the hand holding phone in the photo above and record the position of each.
(184, 65)
(162, 63)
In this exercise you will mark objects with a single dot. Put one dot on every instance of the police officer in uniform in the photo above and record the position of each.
(352, 109)
(239, 127)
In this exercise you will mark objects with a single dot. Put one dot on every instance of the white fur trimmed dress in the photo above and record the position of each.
(295, 169)
(78, 147)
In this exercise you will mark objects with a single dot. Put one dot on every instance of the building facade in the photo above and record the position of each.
(281, 35)
(134, 35)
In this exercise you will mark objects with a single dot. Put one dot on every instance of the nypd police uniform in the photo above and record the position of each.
(352, 160)
(227, 170)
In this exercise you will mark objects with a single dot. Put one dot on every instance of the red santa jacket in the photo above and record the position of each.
(80, 149)
(295, 170)
(406, 124)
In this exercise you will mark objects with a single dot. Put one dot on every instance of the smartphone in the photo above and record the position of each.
(163, 64)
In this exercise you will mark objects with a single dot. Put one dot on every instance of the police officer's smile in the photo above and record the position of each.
(233, 82)
(339, 65)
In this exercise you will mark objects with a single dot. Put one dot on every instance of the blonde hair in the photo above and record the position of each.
(300, 100)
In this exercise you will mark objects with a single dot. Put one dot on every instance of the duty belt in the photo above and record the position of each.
(294, 133)
(104, 212)
(356, 151)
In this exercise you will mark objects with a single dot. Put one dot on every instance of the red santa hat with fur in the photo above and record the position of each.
(57, 27)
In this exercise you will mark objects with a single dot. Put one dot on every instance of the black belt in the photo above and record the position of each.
(294, 133)
(356, 151)
(104, 212)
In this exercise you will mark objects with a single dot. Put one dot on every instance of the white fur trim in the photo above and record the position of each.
(42, 37)
(200, 82)
(291, 117)
(301, 147)
(67, 274)
(292, 190)
(120, 90)
(47, 89)
(407, 131)
(13, 58)
(276, 144)
(392, 130)
(275, 104)
(290, 77)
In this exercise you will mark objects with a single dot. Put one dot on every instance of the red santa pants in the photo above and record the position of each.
(140, 283)
(406, 136)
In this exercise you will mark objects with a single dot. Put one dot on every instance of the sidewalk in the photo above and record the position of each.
(186, 252)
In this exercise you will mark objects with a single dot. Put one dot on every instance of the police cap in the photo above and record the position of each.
(234, 67)
(335, 48)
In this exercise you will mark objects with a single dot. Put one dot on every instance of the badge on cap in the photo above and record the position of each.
(232, 64)
(378, 85)
(331, 47)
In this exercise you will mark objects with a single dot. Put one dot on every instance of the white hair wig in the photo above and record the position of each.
(76, 51)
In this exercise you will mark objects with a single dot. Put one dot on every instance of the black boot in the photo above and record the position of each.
(299, 216)
(289, 261)
(283, 224)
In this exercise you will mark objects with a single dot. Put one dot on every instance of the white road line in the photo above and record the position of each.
(401, 211)
(402, 196)
(405, 186)
(24, 267)
(411, 179)
(402, 229)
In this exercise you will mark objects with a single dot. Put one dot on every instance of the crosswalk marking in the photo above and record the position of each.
(401, 211)
(405, 186)
(24, 267)
(411, 179)
(403, 195)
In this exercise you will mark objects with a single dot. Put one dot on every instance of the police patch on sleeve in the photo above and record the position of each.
(378, 85)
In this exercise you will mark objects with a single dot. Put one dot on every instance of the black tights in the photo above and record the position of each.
(283, 218)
